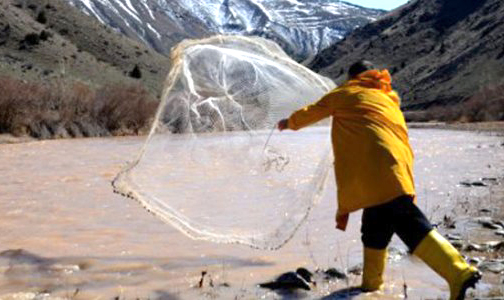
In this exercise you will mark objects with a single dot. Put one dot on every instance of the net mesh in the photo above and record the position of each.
(212, 165)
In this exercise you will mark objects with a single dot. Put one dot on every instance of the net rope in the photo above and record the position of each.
(213, 165)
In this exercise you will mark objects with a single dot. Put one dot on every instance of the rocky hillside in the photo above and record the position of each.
(49, 39)
(63, 74)
(440, 52)
(302, 28)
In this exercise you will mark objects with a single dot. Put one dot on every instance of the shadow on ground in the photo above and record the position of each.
(347, 293)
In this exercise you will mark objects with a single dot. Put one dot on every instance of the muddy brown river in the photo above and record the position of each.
(65, 235)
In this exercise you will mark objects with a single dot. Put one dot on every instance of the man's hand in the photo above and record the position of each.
(283, 124)
(341, 221)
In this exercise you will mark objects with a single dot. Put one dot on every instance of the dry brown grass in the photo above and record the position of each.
(124, 110)
(485, 105)
(73, 109)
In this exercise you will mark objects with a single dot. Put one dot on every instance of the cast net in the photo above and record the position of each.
(212, 165)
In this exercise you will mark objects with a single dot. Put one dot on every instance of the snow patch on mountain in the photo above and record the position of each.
(158, 35)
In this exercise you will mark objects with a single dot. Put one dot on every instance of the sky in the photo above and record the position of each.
(383, 4)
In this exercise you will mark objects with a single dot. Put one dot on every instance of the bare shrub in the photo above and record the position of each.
(120, 108)
(71, 108)
(18, 101)
(485, 105)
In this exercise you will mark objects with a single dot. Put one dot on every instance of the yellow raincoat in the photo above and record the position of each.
(373, 157)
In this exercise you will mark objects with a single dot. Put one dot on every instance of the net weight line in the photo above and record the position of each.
(273, 157)
(269, 137)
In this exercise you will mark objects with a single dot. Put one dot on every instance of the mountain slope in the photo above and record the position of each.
(40, 40)
(302, 28)
(439, 51)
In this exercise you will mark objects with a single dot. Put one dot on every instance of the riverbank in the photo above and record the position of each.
(488, 127)
(73, 109)
(11, 139)
(476, 228)
(96, 244)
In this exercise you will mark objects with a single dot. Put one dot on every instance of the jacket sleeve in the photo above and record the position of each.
(312, 113)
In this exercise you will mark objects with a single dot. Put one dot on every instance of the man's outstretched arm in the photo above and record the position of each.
(309, 114)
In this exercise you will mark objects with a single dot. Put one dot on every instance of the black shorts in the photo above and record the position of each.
(400, 216)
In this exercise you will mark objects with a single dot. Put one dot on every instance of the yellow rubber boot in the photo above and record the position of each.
(445, 260)
(374, 267)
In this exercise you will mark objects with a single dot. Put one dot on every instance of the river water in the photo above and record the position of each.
(64, 234)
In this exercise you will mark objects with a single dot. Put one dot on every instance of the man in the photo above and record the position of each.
(374, 171)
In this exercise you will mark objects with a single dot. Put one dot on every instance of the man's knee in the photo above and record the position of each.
(410, 224)
(376, 231)
(376, 241)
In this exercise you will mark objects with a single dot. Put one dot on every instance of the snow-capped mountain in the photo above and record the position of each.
(302, 28)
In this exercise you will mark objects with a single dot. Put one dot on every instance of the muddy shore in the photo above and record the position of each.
(117, 244)
(488, 127)
(475, 227)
